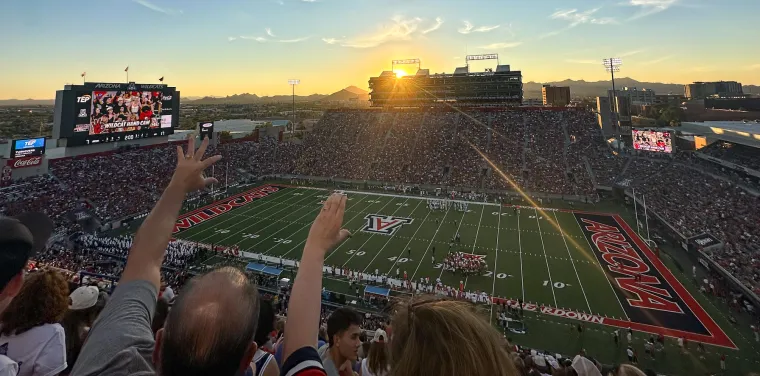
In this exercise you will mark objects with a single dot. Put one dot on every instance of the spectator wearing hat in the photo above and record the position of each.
(83, 309)
(21, 237)
(30, 333)
(377, 362)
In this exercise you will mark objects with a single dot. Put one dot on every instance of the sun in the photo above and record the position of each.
(400, 73)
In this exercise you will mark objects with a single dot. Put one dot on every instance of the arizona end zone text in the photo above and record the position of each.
(657, 302)
(203, 214)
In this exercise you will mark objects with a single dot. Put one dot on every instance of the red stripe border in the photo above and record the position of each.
(718, 338)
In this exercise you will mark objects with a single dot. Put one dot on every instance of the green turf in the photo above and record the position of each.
(527, 255)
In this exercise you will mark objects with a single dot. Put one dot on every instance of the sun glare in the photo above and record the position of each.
(400, 73)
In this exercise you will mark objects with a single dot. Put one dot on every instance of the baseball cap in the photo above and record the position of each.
(84, 297)
(21, 237)
(380, 336)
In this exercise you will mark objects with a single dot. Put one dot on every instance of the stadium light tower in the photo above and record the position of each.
(293, 83)
(612, 65)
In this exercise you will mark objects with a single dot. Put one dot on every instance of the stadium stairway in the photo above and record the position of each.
(590, 171)
(526, 140)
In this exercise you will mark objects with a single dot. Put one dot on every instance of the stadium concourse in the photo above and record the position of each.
(544, 268)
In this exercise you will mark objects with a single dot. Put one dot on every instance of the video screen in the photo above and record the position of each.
(104, 112)
(122, 111)
(28, 147)
(656, 141)
(206, 129)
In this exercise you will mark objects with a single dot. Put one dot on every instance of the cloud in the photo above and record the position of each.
(470, 28)
(630, 53)
(552, 33)
(581, 61)
(257, 39)
(295, 40)
(660, 60)
(309, 1)
(155, 7)
(399, 29)
(438, 23)
(269, 32)
(649, 7)
(230, 39)
(500, 46)
(578, 18)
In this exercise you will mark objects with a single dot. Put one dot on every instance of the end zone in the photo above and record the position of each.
(653, 299)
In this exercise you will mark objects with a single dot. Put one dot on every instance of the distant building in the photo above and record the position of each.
(702, 90)
(532, 102)
(555, 96)
(604, 115)
(636, 96)
(669, 99)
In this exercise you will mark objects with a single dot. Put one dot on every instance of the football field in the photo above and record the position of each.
(564, 264)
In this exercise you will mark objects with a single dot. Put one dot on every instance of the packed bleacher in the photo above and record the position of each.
(561, 153)
(735, 153)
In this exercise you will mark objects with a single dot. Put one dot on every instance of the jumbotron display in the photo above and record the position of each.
(105, 112)
(649, 140)
(30, 147)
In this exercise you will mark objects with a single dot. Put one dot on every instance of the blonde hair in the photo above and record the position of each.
(446, 337)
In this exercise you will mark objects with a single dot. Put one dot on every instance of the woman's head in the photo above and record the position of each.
(378, 357)
(43, 299)
(445, 337)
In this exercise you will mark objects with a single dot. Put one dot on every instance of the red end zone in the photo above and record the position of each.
(717, 337)
(200, 215)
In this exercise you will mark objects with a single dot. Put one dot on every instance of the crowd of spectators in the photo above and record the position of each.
(735, 153)
(138, 321)
(695, 203)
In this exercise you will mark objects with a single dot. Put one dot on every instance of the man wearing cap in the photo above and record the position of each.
(21, 237)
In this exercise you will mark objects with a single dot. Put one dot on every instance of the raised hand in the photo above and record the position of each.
(189, 172)
(326, 231)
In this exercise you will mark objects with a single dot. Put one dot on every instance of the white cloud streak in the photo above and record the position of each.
(257, 39)
(500, 46)
(578, 18)
(156, 8)
(399, 29)
(295, 40)
(269, 32)
(470, 28)
(659, 60)
(438, 23)
(649, 7)
(630, 53)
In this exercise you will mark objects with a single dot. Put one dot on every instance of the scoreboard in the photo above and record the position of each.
(31, 147)
(96, 113)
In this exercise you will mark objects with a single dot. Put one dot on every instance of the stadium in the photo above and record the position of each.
(453, 188)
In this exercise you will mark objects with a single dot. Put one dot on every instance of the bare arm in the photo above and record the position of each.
(148, 249)
(302, 327)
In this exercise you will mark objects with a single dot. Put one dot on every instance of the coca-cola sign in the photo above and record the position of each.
(27, 162)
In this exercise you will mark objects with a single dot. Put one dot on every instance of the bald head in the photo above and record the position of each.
(211, 325)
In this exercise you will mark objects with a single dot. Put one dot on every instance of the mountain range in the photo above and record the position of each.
(578, 88)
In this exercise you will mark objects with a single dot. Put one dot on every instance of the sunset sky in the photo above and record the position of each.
(225, 47)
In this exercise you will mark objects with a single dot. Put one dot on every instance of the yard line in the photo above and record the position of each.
(519, 245)
(261, 220)
(359, 229)
(603, 273)
(562, 232)
(371, 236)
(432, 239)
(457, 232)
(477, 232)
(310, 223)
(246, 209)
(495, 263)
(546, 258)
(406, 246)
(391, 237)
(283, 228)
